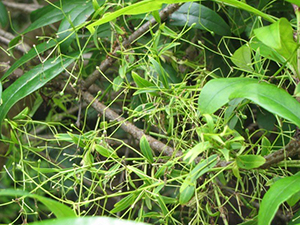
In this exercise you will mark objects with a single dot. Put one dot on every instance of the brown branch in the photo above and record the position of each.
(131, 39)
(290, 150)
(27, 8)
(6, 37)
(128, 126)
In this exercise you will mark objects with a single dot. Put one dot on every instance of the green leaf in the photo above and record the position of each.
(279, 192)
(28, 56)
(189, 184)
(106, 152)
(218, 92)
(242, 58)
(57, 208)
(279, 36)
(1, 93)
(293, 199)
(88, 221)
(32, 81)
(146, 149)
(51, 14)
(202, 17)
(141, 82)
(124, 203)
(162, 74)
(76, 17)
(196, 150)
(296, 2)
(249, 161)
(3, 15)
(153, 5)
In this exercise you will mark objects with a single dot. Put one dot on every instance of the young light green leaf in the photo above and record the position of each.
(296, 2)
(279, 192)
(146, 149)
(242, 58)
(201, 17)
(106, 152)
(57, 208)
(279, 36)
(88, 221)
(196, 150)
(3, 15)
(266, 146)
(218, 92)
(32, 81)
(249, 162)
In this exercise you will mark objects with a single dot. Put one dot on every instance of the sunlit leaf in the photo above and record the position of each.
(249, 161)
(279, 192)
(218, 92)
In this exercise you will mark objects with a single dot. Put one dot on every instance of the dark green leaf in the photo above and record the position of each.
(3, 15)
(249, 161)
(57, 208)
(203, 17)
(124, 203)
(50, 14)
(141, 82)
(279, 192)
(75, 17)
(28, 56)
(218, 92)
(32, 81)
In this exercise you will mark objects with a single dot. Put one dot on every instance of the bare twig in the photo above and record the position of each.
(27, 8)
(131, 39)
(6, 37)
(290, 150)
(128, 126)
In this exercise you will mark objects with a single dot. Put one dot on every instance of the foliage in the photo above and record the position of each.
(151, 111)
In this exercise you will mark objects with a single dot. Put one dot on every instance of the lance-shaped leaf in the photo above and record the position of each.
(279, 192)
(153, 5)
(218, 92)
(146, 149)
(32, 81)
(28, 56)
(58, 209)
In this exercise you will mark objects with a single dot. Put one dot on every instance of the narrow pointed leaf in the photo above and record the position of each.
(146, 149)
(201, 16)
(58, 209)
(279, 192)
(3, 15)
(77, 16)
(218, 92)
(32, 81)
(28, 56)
